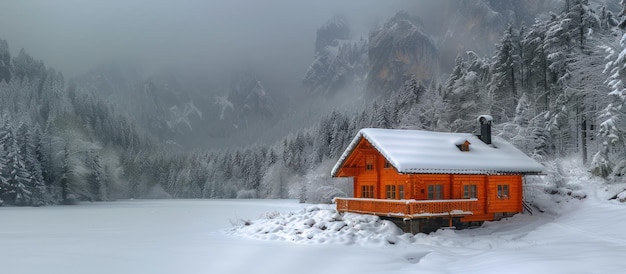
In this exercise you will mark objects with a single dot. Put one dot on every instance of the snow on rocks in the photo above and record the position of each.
(320, 225)
(323, 225)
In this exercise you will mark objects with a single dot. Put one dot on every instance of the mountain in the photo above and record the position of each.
(160, 103)
(421, 41)
(249, 100)
(459, 26)
(338, 62)
(333, 31)
(398, 49)
(182, 111)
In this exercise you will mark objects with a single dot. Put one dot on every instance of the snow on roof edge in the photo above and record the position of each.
(526, 166)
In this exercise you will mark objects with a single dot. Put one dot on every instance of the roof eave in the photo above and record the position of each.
(346, 153)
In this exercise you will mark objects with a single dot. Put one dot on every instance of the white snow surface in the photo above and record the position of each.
(419, 151)
(282, 236)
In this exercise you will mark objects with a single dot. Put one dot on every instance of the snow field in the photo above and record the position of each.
(281, 236)
(577, 241)
(570, 234)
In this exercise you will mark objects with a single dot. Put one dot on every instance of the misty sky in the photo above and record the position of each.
(76, 35)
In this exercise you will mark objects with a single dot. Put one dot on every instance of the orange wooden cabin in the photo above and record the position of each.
(415, 175)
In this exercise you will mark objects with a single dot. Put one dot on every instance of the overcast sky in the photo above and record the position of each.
(76, 35)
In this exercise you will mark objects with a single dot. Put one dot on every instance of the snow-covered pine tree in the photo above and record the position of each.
(583, 20)
(465, 92)
(341, 134)
(5, 62)
(406, 108)
(5, 189)
(95, 177)
(18, 177)
(323, 138)
(535, 64)
(28, 143)
(503, 86)
(613, 117)
(526, 131)
(432, 109)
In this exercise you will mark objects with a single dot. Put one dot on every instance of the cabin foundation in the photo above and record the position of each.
(428, 225)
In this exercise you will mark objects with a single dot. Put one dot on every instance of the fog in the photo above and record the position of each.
(74, 36)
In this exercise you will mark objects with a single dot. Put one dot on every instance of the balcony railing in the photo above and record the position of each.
(408, 209)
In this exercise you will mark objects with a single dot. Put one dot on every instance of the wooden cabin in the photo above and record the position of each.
(415, 175)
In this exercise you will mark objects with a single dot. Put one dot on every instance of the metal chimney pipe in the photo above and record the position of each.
(485, 128)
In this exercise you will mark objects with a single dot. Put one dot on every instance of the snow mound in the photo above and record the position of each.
(319, 225)
(316, 225)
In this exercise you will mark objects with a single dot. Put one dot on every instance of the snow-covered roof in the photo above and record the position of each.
(418, 151)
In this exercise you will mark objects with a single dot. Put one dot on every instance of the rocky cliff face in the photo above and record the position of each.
(397, 50)
(336, 67)
(248, 98)
(333, 31)
(408, 45)
(338, 62)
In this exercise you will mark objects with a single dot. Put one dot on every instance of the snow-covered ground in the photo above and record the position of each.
(282, 236)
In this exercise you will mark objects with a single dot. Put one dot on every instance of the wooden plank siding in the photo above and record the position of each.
(369, 168)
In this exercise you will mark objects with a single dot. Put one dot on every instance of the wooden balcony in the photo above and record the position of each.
(408, 209)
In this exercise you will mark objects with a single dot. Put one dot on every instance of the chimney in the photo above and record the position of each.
(485, 128)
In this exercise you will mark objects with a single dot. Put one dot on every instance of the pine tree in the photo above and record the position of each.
(535, 62)
(5, 189)
(613, 126)
(95, 177)
(465, 93)
(28, 143)
(17, 176)
(405, 104)
(432, 109)
(503, 83)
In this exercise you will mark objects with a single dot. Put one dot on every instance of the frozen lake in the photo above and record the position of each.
(140, 236)
(190, 236)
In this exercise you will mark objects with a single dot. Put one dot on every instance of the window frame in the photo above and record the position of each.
(390, 191)
(435, 192)
(470, 191)
(367, 191)
(503, 191)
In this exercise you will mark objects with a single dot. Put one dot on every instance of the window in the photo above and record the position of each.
(391, 191)
(503, 191)
(435, 192)
(469, 191)
(387, 164)
(367, 191)
(400, 192)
